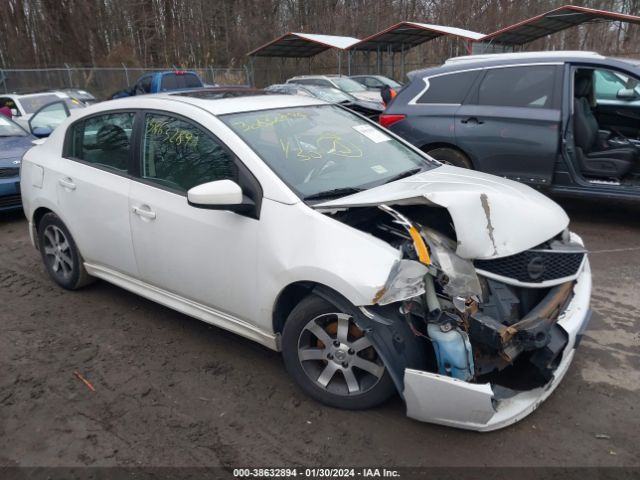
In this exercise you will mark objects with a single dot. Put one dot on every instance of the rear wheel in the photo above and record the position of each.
(330, 358)
(450, 156)
(60, 254)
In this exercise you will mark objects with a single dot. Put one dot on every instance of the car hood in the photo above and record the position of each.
(12, 148)
(493, 217)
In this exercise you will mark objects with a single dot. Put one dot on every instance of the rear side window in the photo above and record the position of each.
(175, 81)
(530, 87)
(450, 88)
(180, 155)
(103, 140)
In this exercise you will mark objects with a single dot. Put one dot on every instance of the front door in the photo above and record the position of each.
(510, 126)
(208, 256)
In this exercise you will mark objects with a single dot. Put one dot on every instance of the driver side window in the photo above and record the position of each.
(179, 155)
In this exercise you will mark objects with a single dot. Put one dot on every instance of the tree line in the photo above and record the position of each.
(146, 33)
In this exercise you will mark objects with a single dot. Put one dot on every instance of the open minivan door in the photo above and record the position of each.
(511, 122)
(47, 118)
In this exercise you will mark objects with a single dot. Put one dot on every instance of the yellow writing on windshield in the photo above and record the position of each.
(269, 120)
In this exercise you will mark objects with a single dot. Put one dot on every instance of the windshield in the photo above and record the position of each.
(31, 104)
(349, 85)
(331, 95)
(10, 129)
(317, 149)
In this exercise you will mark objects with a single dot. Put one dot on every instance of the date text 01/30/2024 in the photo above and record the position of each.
(315, 472)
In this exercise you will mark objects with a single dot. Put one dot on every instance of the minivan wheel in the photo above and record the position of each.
(450, 156)
(60, 254)
(330, 358)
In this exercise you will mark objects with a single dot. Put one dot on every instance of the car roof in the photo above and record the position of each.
(520, 58)
(58, 93)
(523, 56)
(253, 101)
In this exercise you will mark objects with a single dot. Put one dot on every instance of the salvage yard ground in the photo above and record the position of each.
(170, 390)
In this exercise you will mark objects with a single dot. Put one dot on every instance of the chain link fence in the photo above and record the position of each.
(103, 81)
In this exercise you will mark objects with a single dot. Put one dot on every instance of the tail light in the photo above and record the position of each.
(386, 119)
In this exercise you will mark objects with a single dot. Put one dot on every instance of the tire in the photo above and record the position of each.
(321, 364)
(60, 254)
(450, 156)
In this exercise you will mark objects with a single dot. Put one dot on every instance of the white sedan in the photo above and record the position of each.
(305, 227)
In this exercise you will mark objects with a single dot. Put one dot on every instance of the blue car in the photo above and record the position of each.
(14, 142)
(158, 82)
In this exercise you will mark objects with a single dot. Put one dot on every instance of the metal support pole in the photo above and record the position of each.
(378, 66)
(339, 62)
(402, 63)
(349, 62)
(69, 75)
(3, 79)
(126, 74)
(389, 55)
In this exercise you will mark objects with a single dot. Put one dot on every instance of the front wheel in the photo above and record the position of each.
(450, 156)
(331, 359)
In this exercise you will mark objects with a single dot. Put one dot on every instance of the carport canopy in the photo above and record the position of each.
(302, 45)
(551, 22)
(405, 35)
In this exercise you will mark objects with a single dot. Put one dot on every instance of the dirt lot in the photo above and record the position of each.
(172, 391)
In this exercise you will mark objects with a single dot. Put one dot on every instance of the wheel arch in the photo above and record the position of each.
(431, 146)
(36, 218)
(293, 293)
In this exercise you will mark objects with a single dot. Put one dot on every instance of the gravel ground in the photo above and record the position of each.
(172, 391)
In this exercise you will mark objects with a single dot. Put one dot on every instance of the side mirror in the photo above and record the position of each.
(627, 94)
(41, 132)
(220, 195)
(15, 112)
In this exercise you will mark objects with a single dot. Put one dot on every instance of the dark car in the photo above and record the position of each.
(367, 108)
(14, 142)
(568, 122)
(376, 82)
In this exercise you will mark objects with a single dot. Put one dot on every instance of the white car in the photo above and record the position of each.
(311, 230)
(24, 106)
(339, 82)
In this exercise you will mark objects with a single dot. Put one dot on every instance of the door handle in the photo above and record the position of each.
(472, 120)
(67, 183)
(145, 212)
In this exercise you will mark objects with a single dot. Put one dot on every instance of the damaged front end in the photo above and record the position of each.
(472, 344)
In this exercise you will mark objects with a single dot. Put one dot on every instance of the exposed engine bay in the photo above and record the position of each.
(480, 321)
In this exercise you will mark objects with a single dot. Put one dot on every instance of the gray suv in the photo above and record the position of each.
(568, 122)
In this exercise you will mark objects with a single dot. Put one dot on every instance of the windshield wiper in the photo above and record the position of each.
(336, 192)
(408, 173)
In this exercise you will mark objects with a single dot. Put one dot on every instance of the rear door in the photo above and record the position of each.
(617, 96)
(432, 103)
(511, 124)
(92, 184)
